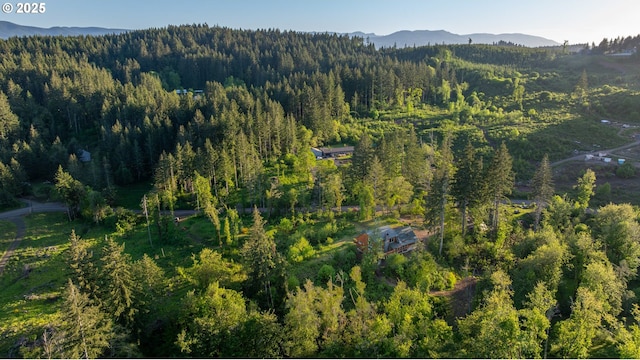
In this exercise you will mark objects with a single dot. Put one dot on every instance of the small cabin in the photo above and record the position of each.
(84, 156)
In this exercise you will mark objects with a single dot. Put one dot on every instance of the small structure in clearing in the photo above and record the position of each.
(399, 240)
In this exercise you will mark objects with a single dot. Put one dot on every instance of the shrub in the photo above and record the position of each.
(293, 282)
(285, 226)
(326, 273)
(451, 280)
(125, 220)
(345, 259)
(395, 265)
(626, 171)
(301, 250)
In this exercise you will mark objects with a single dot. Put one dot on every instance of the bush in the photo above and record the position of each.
(326, 273)
(603, 193)
(293, 282)
(345, 259)
(125, 220)
(626, 171)
(451, 280)
(285, 226)
(301, 250)
(395, 265)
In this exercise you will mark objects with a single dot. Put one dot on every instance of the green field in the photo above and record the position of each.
(7, 234)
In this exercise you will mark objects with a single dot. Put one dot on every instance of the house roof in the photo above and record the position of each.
(387, 232)
(85, 156)
(337, 150)
(405, 237)
(317, 152)
(399, 239)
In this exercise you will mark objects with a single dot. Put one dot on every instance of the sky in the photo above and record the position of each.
(577, 21)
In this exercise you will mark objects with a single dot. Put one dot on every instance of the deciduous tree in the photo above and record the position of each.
(71, 190)
(584, 189)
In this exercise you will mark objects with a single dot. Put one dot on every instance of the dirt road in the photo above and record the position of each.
(15, 216)
(33, 207)
(608, 151)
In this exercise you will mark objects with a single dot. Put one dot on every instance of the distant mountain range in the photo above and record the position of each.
(407, 38)
(400, 39)
(8, 29)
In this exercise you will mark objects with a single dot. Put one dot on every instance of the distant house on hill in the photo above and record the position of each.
(327, 152)
(623, 53)
(337, 154)
(394, 240)
(84, 156)
(196, 93)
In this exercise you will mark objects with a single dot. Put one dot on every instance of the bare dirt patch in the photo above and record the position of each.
(461, 297)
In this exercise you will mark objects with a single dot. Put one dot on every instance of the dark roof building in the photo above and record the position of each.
(395, 240)
(326, 152)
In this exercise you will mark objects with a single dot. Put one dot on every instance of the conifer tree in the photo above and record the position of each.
(439, 191)
(363, 154)
(83, 271)
(500, 180)
(86, 329)
(9, 122)
(118, 288)
(376, 178)
(262, 260)
(542, 184)
(467, 187)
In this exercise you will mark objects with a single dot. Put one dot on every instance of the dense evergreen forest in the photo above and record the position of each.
(222, 121)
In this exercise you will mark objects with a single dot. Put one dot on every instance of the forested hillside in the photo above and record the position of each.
(127, 129)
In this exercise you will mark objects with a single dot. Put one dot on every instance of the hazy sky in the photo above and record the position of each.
(575, 20)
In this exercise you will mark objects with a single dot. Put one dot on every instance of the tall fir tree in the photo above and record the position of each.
(467, 187)
(264, 263)
(542, 184)
(440, 188)
(118, 283)
(81, 263)
(500, 180)
(86, 330)
(363, 154)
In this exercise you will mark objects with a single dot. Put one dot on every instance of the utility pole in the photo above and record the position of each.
(146, 215)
